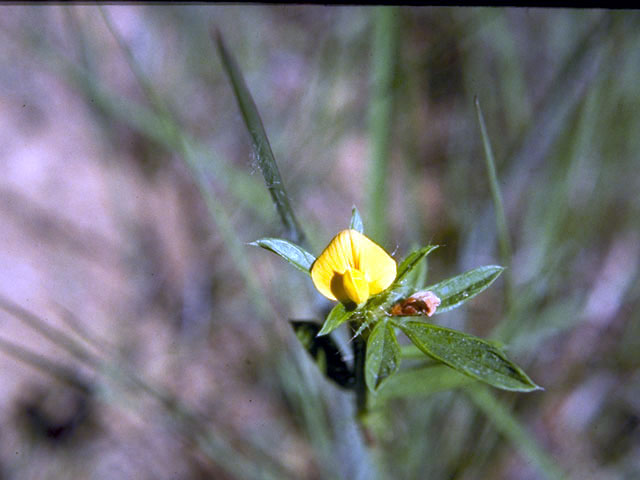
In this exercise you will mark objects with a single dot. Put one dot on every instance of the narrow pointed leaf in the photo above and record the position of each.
(325, 353)
(416, 279)
(261, 147)
(455, 291)
(470, 355)
(292, 253)
(383, 355)
(336, 317)
(411, 262)
(356, 221)
(494, 185)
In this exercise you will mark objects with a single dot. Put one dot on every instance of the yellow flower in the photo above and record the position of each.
(352, 268)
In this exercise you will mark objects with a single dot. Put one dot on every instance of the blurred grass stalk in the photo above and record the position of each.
(216, 210)
(504, 242)
(508, 425)
(261, 145)
(160, 124)
(114, 374)
(501, 220)
(385, 46)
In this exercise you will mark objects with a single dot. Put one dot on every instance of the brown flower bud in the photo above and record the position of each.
(420, 303)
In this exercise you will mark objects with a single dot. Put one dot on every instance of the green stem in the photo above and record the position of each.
(360, 352)
(380, 117)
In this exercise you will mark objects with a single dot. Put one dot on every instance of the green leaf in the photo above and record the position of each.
(356, 220)
(455, 291)
(470, 355)
(412, 352)
(324, 351)
(421, 381)
(261, 147)
(337, 316)
(417, 277)
(292, 253)
(411, 262)
(383, 355)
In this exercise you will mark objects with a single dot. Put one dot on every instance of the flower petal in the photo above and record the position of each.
(336, 259)
(355, 286)
(351, 250)
(379, 267)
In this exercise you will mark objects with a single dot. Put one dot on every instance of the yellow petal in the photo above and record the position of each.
(378, 266)
(350, 250)
(355, 286)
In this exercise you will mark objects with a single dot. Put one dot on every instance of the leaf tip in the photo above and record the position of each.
(321, 333)
(537, 387)
(216, 35)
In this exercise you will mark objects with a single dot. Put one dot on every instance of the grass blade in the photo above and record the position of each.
(507, 424)
(501, 219)
(57, 371)
(565, 91)
(261, 146)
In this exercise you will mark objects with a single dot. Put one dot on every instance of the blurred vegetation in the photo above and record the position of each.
(176, 360)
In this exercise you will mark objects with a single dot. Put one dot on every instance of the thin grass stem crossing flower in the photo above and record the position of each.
(352, 268)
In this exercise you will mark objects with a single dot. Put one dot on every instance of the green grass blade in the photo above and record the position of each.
(261, 146)
(380, 117)
(565, 91)
(215, 207)
(501, 219)
(55, 370)
(507, 424)
(53, 334)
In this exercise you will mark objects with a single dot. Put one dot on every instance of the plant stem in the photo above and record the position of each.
(359, 352)
(380, 117)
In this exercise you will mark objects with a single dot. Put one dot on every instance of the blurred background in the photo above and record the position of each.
(143, 338)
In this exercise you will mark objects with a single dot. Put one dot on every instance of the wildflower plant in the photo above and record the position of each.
(376, 298)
